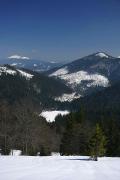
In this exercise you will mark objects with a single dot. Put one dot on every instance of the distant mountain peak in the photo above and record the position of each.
(102, 55)
(18, 57)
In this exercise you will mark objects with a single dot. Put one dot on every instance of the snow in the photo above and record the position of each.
(67, 97)
(58, 168)
(35, 65)
(18, 57)
(51, 115)
(76, 78)
(26, 75)
(15, 152)
(60, 72)
(102, 55)
(53, 62)
(13, 64)
(5, 70)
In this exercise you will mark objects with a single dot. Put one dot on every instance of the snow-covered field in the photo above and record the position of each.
(58, 168)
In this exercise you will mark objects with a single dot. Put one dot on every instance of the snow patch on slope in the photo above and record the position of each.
(51, 115)
(14, 64)
(26, 75)
(60, 72)
(35, 65)
(67, 97)
(76, 78)
(102, 55)
(7, 71)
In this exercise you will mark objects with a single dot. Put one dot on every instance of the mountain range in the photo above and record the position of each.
(17, 84)
(27, 63)
(89, 74)
(59, 86)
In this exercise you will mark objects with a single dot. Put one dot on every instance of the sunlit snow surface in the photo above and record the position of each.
(58, 168)
(67, 97)
(102, 55)
(78, 77)
(15, 152)
(51, 115)
(6, 70)
(27, 75)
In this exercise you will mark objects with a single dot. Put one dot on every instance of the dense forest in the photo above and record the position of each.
(22, 128)
(92, 127)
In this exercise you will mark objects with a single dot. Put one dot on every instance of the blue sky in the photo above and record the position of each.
(59, 29)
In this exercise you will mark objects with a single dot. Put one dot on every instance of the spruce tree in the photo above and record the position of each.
(97, 143)
(66, 147)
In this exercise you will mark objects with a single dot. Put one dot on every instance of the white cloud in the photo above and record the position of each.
(18, 57)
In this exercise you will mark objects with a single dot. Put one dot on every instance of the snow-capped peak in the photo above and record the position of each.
(102, 55)
(18, 57)
(11, 71)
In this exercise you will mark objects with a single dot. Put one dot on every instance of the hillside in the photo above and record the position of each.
(107, 99)
(89, 74)
(17, 84)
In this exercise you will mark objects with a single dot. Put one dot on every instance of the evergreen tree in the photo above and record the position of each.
(66, 142)
(97, 143)
(75, 139)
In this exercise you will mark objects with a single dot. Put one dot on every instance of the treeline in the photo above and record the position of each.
(79, 133)
(83, 136)
(40, 89)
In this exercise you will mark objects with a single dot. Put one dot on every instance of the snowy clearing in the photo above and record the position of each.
(58, 168)
(67, 97)
(51, 115)
(73, 79)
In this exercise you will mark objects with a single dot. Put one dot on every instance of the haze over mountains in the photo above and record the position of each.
(29, 63)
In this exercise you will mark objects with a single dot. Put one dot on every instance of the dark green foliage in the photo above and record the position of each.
(45, 151)
(22, 128)
(66, 144)
(40, 89)
(76, 136)
(112, 132)
(97, 143)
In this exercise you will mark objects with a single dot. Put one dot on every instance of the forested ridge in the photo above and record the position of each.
(92, 119)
